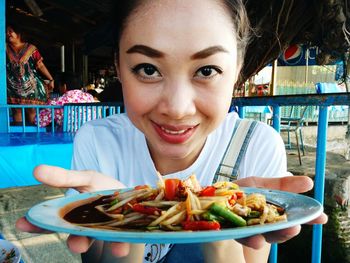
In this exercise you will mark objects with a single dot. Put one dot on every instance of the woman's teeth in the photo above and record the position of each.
(173, 132)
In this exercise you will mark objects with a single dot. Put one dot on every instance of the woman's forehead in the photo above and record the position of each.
(174, 9)
(161, 22)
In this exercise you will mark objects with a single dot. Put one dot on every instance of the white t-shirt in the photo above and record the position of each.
(115, 147)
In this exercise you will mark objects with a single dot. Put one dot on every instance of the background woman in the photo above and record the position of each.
(26, 72)
(70, 91)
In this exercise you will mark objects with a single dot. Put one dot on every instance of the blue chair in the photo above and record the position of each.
(76, 114)
(294, 123)
(337, 113)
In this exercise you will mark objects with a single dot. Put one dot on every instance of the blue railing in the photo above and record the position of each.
(26, 127)
(74, 115)
(323, 101)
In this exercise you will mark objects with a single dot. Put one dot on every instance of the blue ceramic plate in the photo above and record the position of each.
(9, 253)
(300, 209)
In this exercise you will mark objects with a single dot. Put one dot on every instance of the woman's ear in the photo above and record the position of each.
(116, 65)
(117, 72)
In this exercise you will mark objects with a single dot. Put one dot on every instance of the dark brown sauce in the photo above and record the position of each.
(87, 213)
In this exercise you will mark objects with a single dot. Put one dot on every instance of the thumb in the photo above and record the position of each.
(83, 181)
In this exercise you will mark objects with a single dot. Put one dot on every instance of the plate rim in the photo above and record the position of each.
(18, 255)
(166, 237)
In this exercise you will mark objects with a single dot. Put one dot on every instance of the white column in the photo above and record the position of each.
(62, 59)
(85, 69)
(73, 57)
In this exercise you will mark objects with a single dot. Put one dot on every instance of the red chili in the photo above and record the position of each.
(138, 187)
(208, 191)
(233, 199)
(201, 225)
(148, 210)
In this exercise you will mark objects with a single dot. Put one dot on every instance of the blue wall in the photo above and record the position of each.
(3, 100)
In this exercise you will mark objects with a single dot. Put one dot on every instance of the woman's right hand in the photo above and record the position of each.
(82, 181)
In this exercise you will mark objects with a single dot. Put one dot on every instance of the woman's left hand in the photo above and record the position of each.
(295, 184)
(51, 85)
(82, 181)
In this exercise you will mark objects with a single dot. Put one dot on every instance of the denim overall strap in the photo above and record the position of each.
(236, 149)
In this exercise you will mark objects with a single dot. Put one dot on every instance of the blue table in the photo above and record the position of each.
(21, 152)
(264, 112)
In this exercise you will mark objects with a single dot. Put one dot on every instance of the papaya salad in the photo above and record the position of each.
(176, 205)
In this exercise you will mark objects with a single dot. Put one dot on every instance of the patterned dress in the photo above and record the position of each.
(71, 96)
(24, 84)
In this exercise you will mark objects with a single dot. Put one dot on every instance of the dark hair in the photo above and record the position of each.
(93, 92)
(71, 80)
(17, 29)
(124, 9)
(241, 22)
(112, 92)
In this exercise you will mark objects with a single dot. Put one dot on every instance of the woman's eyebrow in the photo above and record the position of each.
(208, 52)
(145, 50)
(151, 52)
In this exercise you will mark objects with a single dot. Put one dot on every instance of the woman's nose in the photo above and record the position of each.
(178, 100)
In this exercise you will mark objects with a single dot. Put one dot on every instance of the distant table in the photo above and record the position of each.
(21, 152)
(262, 111)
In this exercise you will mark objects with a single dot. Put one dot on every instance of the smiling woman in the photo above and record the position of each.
(177, 96)
(180, 84)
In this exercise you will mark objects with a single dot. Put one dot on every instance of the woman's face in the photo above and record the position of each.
(12, 36)
(177, 65)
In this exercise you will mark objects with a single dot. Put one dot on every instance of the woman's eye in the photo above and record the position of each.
(208, 72)
(147, 71)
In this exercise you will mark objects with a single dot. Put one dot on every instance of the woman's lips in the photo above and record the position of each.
(175, 135)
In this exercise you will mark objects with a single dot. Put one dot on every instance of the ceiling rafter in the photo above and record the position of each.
(71, 12)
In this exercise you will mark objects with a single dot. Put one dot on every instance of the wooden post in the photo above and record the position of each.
(307, 66)
(85, 70)
(273, 78)
(73, 56)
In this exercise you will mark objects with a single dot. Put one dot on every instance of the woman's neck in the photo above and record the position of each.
(172, 165)
(17, 46)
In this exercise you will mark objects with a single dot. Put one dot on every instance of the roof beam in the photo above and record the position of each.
(72, 13)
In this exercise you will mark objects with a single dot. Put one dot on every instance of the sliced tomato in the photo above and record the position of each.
(171, 188)
(239, 194)
(208, 191)
(148, 210)
(201, 225)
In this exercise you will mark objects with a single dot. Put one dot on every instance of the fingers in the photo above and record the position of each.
(322, 219)
(283, 235)
(120, 249)
(255, 242)
(295, 184)
(258, 241)
(79, 244)
(23, 225)
(83, 181)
